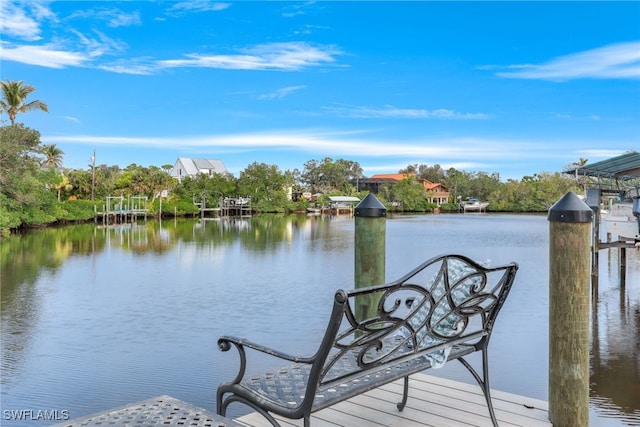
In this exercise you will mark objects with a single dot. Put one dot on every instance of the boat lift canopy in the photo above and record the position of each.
(621, 167)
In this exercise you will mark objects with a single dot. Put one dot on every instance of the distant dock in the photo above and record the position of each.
(118, 210)
(225, 206)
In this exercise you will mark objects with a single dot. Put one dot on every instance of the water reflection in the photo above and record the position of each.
(615, 345)
(78, 303)
(258, 233)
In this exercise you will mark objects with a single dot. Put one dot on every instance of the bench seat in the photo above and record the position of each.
(286, 386)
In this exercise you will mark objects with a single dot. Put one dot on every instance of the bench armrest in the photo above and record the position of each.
(225, 343)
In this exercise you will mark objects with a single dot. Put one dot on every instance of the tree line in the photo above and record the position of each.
(35, 188)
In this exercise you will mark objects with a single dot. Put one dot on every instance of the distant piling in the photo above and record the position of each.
(569, 290)
(594, 196)
(370, 246)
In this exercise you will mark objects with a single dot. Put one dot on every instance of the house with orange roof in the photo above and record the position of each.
(438, 193)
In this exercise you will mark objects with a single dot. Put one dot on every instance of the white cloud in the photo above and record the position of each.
(277, 56)
(17, 22)
(295, 9)
(23, 20)
(390, 111)
(615, 61)
(569, 116)
(281, 93)
(56, 55)
(118, 18)
(274, 56)
(597, 155)
(113, 17)
(134, 67)
(182, 7)
(339, 144)
(100, 44)
(40, 10)
(372, 169)
(375, 154)
(44, 56)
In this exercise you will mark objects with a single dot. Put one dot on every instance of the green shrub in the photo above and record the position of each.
(9, 214)
(450, 207)
(77, 210)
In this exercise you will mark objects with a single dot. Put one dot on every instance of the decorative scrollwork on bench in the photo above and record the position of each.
(412, 318)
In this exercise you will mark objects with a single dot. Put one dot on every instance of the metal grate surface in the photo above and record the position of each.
(158, 411)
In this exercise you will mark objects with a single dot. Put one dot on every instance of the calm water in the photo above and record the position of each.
(94, 318)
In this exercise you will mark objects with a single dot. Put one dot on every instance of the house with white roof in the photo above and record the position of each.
(186, 166)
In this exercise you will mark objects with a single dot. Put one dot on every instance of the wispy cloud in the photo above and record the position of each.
(392, 112)
(296, 9)
(23, 21)
(112, 16)
(376, 154)
(49, 56)
(273, 56)
(615, 61)
(57, 55)
(99, 44)
(292, 56)
(597, 155)
(120, 19)
(447, 164)
(196, 6)
(569, 116)
(318, 141)
(309, 29)
(138, 66)
(281, 93)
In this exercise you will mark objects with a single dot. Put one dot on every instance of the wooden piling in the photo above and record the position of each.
(569, 289)
(370, 246)
(623, 267)
(593, 200)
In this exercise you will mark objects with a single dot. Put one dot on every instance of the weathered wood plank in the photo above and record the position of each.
(433, 402)
(520, 407)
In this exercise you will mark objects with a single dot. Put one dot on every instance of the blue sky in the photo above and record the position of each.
(516, 88)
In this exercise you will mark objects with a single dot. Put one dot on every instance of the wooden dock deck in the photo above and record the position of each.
(433, 402)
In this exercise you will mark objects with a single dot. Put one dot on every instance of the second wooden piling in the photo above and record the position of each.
(569, 290)
(370, 246)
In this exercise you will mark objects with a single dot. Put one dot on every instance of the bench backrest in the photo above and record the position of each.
(448, 300)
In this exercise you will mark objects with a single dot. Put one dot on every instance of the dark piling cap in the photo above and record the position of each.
(570, 208)
(370, 207)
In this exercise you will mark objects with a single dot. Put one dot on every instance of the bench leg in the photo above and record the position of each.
(224, 403)
(405, 394)
(483, 382)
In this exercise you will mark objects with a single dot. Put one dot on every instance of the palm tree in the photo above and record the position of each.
(64, 184)
(580, 163)
(53, 156)
(14, 95)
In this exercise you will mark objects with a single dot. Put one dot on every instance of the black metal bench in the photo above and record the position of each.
(443, 310)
